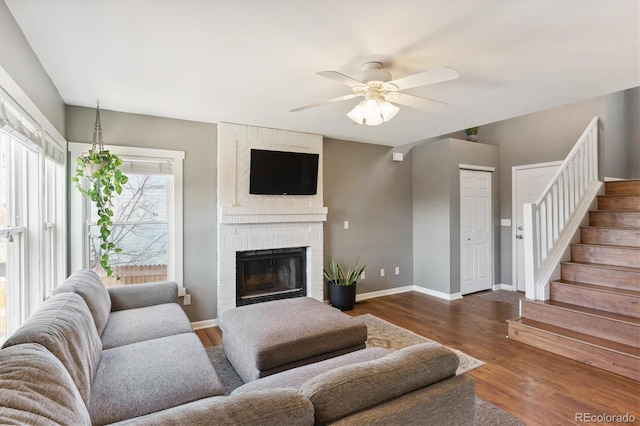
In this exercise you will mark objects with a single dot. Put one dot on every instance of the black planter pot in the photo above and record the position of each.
(342, 297)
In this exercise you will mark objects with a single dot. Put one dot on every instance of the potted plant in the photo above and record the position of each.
(105, 180)
(472, 134)
(341, 286)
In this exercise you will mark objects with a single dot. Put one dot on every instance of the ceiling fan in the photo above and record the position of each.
(380, 92)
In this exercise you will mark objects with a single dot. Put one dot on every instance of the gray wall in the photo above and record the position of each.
(198, 141)
(549, 136)
(436, 210)
(21, 63)
(632, 109)
(364, 186)
(432, 216)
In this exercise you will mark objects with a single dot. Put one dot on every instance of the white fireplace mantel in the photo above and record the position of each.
(258, 222)
(238, 215)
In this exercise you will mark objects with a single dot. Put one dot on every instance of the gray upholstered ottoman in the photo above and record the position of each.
(270, 337)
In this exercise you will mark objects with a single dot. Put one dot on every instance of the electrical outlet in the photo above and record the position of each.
(382, 272)
(181, 291)
(346, 224)
(397, 270)
(187, 299)
(362, 275)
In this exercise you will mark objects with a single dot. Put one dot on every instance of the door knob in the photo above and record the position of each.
(519, 236)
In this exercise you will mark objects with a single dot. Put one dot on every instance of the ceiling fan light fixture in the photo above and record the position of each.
(388, 110)
(373, 112)
(356, 113)
(374, 121)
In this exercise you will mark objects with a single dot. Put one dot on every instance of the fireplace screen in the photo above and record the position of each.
(264, 275)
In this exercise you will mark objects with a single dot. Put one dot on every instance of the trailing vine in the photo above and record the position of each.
(101, 170)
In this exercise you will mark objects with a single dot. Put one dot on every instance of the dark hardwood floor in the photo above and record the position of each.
(537, 387)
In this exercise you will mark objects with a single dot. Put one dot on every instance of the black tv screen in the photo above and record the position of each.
(283, 173)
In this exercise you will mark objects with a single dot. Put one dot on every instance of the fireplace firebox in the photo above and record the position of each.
(263, 275)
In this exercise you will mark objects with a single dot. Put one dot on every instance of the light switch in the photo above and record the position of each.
(346, 224)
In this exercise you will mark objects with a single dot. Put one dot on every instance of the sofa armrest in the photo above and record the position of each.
(141, 295)
(272, 407)
(449, 402)
(375, 382)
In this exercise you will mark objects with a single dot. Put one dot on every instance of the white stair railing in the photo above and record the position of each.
(550, 222)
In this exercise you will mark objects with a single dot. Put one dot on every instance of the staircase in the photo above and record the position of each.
(593, 311)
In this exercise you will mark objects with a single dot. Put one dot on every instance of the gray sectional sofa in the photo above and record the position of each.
(128, 355)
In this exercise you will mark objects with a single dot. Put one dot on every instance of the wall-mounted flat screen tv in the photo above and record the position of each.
(283, 173)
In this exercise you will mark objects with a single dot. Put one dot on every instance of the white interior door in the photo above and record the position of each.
(476, 248)
(528, 183)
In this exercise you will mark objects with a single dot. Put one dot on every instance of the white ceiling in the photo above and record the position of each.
(250, 62)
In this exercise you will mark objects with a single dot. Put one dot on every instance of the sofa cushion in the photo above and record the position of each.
(36, 389)
(87, 284)
(64, 326)
(151, 322)
(378, 381)
(296, 377)
(145, 377)
(262, 408)
(141, 295)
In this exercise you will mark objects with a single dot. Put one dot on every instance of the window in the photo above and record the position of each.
(147, 222)
(53, 246)
(29, 156)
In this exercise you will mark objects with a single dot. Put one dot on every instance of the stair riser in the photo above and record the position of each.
(606, 255)
(624, 304)
(631, 187)
(605, 328)
(610, 236)
(615, 362)
(615, 219)
(614, 278)
(619, 202)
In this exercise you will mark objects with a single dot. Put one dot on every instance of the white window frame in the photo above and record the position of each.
(30, 199)
(79, 208)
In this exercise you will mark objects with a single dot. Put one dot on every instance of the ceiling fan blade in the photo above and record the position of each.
(436, 75)
(341, 78)
(415, 101)
(328, 101)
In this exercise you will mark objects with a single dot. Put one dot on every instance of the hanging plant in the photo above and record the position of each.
(101, 170)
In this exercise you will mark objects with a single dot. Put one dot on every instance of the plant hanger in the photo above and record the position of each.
(102, 171)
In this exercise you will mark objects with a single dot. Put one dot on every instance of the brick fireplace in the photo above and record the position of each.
(248, 222)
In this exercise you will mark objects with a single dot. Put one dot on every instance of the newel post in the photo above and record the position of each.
(530, 250)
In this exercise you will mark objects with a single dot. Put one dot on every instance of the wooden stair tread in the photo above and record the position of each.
(623, 187)
(580, 337)
(608, 246)
(623, 212)
(599, 287)
(614, 228)
(590, 311)
(602, 266)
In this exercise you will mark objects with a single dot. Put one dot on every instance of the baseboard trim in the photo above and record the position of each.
(438, 294)
(388, 292)
(509, 287)
(204, 324)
